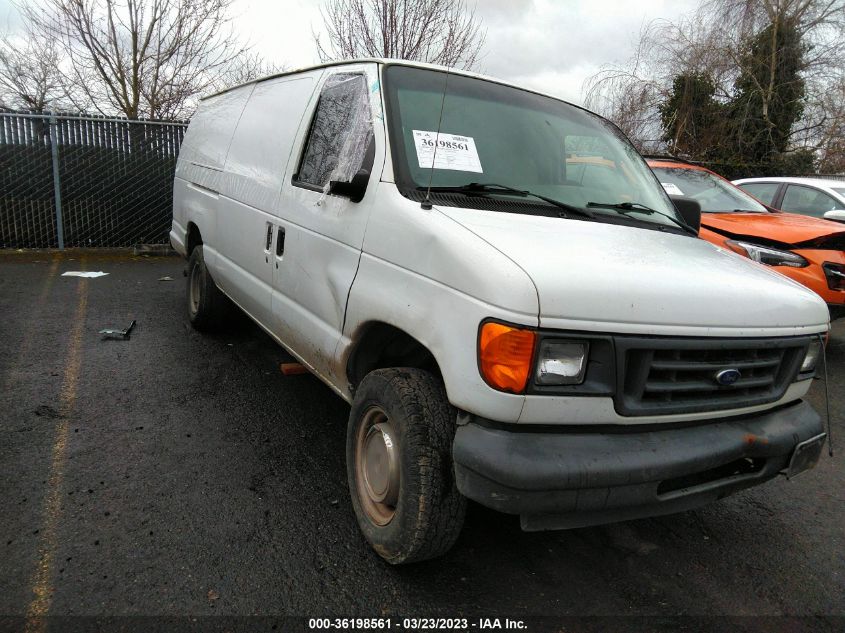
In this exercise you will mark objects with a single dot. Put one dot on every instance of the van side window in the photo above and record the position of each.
(340, 135)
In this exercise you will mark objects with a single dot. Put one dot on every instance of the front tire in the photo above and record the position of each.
(399, 465)
(206, 304)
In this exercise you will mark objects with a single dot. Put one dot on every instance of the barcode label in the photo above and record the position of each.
(453, 151)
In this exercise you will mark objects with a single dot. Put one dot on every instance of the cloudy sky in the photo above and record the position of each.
(550, 45)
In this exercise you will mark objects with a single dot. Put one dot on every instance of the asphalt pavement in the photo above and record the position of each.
(180, 474)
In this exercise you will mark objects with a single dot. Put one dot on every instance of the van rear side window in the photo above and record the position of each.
(340, 132)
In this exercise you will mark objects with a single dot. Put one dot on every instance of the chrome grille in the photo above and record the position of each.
(664, 376)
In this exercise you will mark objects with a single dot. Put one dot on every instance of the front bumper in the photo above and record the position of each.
(573, 479)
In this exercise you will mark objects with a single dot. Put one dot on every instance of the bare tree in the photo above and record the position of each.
(819, 26)
(714, 42)
(435, 31)
(631, 93)
(245, 68)
(140, 58)
(831, 132)
(29, 73)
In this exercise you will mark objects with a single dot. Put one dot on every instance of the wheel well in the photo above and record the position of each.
(382, 346)
(193, 239)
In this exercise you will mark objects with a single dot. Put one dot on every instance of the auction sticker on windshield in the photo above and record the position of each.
(672, 189)
(453, 151)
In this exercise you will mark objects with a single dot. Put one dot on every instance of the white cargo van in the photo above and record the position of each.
(516, 311)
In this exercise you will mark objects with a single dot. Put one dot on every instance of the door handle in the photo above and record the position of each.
(280, 242)
(269, 237)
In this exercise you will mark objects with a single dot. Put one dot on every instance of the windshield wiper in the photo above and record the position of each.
(483, 189)
(627, 207)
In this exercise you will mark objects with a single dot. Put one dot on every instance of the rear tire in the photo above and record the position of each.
(399, 465)
(206, 304)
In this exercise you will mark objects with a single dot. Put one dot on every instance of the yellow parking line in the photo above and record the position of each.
(29, 333)
(41, 582)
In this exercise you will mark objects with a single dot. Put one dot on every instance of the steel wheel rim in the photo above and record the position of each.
(377, 466)
(194, 290)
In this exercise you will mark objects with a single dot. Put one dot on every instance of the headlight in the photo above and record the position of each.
(767, 255)
(562, 362)
(812, 356)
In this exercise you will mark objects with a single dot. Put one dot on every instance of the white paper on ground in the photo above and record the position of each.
(672, 189)
(454, 151)
(79, 273)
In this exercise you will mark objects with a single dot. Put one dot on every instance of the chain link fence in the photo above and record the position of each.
(68, 181)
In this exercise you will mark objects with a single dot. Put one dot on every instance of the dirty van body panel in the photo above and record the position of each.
(437, 281)
(199, 169)
(644, 281)
(249, 208)
(324, 233)
(178, 232)
(445, 295)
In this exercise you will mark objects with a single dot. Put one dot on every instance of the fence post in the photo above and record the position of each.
(57, 186)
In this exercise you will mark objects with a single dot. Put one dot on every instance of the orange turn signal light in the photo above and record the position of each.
(505, 356)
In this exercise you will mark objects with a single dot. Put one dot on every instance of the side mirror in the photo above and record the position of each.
(836, 216)
(689, 209)
(354, 189)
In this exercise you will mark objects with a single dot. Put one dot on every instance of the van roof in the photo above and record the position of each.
(393, 62)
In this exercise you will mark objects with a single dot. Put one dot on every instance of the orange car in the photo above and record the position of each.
(809, 250)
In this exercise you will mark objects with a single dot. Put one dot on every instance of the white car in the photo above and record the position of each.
(816, 197)
(425, 242)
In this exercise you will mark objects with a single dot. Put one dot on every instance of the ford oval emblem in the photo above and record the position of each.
(727, 377)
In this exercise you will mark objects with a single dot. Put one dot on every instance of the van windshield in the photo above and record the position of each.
(490, 133)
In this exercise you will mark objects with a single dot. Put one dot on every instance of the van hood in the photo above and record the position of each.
(783, 228)
(615, 277)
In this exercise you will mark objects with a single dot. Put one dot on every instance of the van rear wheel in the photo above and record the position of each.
(206, 304)
(399, 465)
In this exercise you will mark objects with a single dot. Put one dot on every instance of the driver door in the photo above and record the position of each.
(323, 233)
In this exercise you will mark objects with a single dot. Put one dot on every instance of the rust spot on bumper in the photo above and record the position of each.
(750, 438)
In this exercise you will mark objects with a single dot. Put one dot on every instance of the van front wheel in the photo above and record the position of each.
(399, 465)
(206, 303)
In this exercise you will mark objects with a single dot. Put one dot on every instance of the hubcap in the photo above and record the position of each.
(194, 287)
(377, 466)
